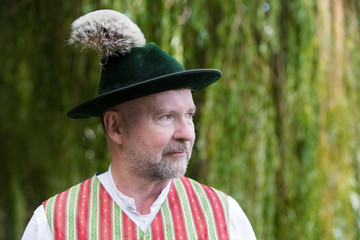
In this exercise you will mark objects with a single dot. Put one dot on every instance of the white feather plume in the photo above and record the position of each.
(108, 32)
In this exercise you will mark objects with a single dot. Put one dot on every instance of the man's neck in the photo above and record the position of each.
(144, 192)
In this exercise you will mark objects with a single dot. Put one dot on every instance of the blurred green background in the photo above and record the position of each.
(280, 132)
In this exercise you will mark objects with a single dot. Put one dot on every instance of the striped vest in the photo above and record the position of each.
(86, 211)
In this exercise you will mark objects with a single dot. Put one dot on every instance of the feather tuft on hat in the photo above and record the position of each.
(106, 31)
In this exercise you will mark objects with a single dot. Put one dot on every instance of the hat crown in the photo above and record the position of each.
(138, 66)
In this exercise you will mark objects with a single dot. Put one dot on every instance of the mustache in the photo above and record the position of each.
(177, 147)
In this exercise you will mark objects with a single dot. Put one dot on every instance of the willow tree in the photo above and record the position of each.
(279, 131)
(282, 127)
(40, 78)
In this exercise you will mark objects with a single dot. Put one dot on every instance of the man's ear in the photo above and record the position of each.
(112, 123)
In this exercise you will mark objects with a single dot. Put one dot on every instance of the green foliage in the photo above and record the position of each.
(280, 127)
(279, 132)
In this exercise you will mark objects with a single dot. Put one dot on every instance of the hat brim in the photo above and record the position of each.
(195, 80)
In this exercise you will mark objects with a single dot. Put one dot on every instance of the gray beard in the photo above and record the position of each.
(147, 167)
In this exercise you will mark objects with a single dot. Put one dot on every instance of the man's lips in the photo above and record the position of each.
(177, 154)
(177, 149)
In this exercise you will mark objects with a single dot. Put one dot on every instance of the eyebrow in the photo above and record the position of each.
(193, 109)
(171, 110)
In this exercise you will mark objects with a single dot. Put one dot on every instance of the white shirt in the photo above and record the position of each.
(38, 228)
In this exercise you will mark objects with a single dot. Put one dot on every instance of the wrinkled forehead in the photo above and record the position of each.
(178, 96)
(172, 100)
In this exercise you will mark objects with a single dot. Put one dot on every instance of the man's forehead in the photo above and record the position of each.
(162, 100)
(178, 94)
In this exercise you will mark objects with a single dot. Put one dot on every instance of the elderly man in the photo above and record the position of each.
(146, 106)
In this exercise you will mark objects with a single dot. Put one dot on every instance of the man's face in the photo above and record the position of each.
(159, 136)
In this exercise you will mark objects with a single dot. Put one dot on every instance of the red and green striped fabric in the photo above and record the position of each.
(86, 211)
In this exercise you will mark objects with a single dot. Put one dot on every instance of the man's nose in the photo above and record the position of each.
(184, 130)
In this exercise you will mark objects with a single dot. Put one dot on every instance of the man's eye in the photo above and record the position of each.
(190, 115)
(165, 117)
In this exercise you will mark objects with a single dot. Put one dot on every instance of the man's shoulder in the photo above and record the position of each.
(84, 185)
(186, 181)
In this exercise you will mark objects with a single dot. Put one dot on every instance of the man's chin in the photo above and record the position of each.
(181, 168)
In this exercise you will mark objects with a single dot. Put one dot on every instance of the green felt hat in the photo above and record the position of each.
(137, 72)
